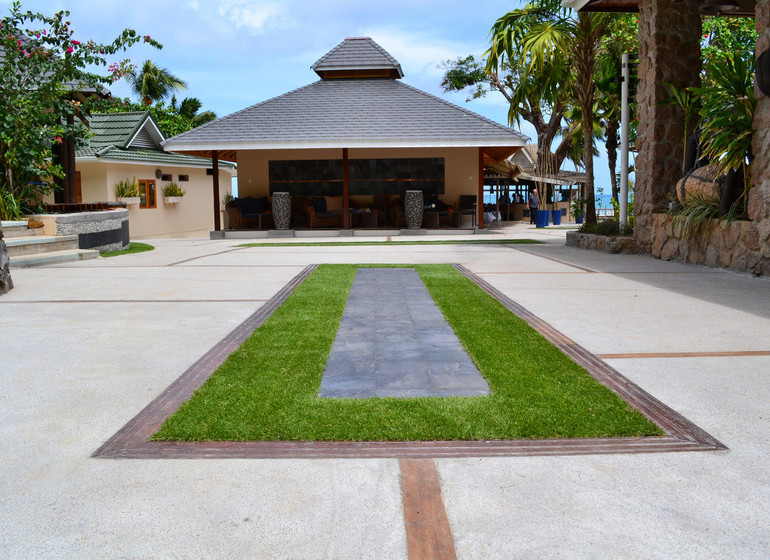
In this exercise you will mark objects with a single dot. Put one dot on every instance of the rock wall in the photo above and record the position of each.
(736, 246)
(759, 197)
(669, 39)
(6, 283)
(605, 243)
(669, 51)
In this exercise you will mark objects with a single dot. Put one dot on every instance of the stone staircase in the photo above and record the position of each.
(32, 247)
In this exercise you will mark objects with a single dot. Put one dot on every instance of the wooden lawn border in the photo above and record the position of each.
(132, 441)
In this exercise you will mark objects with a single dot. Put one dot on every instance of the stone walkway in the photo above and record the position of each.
(393, 341)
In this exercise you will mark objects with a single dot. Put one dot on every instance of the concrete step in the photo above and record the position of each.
(20, 246)
(53, 257)
(20, 229)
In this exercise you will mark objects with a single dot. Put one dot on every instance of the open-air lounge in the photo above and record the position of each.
(348, 148)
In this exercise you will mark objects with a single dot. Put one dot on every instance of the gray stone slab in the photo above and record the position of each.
(394, 342)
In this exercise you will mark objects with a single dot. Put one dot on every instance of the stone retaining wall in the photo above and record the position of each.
(6, 283)
(605, 243)
(105, 231)
(759, 197)
(736, 246)
(669, 51)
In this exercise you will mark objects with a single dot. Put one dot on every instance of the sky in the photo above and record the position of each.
(236, 53)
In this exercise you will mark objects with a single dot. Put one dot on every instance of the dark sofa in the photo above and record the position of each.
(249, 213)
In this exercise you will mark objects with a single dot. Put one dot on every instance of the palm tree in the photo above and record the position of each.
(540, 96)
(190, 107)
(153, 83)
(545, 33)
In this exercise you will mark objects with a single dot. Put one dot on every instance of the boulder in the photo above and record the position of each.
(6, 283)
(703, 181)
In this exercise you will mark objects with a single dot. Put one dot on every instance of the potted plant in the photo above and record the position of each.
(127, 191)
(173, 193)
(576, 210)
(225, 216)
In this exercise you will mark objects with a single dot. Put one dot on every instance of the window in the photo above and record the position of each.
(168, 177)
(147, 196)
(184, 178)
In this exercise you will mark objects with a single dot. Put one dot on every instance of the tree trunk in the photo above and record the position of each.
(586, 64)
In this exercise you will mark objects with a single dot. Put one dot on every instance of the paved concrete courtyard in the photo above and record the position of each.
(85, 347)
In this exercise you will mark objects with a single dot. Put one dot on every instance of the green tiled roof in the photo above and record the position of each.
(112, 136)
(115, 129)
(157, 156)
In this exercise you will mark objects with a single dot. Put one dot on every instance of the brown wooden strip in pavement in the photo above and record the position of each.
(428, 534)
(736, 354)
(397, 450)
(132, 440)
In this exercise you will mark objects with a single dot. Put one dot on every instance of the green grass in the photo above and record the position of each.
(132, 248)
(363, 243)
(267, 390)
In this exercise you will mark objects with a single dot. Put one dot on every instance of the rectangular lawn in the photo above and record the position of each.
(267, 389)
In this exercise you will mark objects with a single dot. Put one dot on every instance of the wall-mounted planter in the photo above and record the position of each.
(172, 199)
(129, 200)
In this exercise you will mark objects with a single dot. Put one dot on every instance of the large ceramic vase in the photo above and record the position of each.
(281, 210)
(556, 217)
(541, 218)
(413, 207)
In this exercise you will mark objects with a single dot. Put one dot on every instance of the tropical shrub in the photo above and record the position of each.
(126, 188)
(173, 189)
(42, 63)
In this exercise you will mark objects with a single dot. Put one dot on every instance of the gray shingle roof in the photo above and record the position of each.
(357, 53)
(349, 113)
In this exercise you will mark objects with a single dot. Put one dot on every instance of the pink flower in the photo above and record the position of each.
(75, 42)
(57, 140)
(69, 50)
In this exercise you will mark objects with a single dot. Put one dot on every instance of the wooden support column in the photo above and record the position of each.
(215, 168)
(480, 197)
(345, 190)
(70, 179)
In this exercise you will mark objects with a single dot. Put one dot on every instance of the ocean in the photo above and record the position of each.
(604, 200)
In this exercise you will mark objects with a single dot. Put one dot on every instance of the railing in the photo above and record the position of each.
(75, 207)
(605, 213)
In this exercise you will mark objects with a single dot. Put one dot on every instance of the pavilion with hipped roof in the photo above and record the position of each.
(357, 132)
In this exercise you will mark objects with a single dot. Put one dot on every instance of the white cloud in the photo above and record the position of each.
(248, 14)
(419, 53)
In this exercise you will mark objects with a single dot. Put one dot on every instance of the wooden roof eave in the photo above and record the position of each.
(494, 155)
(747, 8)
(222, 155)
